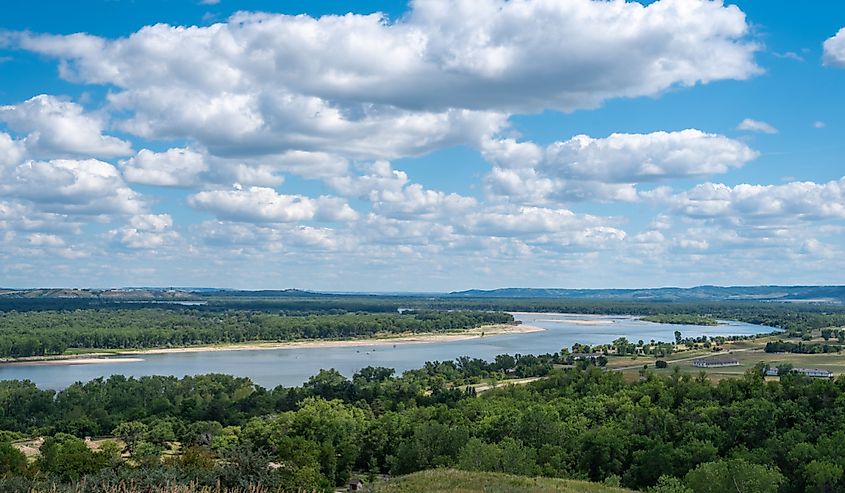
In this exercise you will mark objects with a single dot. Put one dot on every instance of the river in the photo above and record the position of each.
(290, 367)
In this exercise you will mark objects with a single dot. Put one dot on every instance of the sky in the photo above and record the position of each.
(434, 145)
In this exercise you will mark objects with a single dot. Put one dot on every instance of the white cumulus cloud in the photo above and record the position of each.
(779, 204)
(585, 167)
(265, 205)
(172, 168)
(72, 187)
(834, 50)
(54, 127)
(449, 72)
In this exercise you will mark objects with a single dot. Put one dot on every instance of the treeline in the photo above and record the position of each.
(579, 423)
(802, 347)
(795, 318)
(39, 333)
(681, 319)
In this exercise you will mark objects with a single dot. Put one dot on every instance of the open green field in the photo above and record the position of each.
(747, 353)
(450, 480)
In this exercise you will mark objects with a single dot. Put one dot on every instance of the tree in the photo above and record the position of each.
(823, 476)
(669, 484)
(479, 456)
(677, 337)
(734, 475)
(132, 433)
(69, 458)
(12, 461)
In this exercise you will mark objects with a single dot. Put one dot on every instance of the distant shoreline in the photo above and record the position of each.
(382, 340)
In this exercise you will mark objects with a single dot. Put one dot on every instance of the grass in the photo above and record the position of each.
(128, 488)
(449, 480)
(747, 359)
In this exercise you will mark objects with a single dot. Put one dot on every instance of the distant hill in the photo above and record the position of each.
(122, 294)
(784, 294)
(263, 293)
(806, 294)
(447, 480)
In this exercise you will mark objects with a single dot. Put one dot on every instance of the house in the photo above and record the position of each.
(356, 485)
(714, 362)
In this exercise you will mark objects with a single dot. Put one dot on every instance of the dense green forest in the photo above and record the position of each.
(801, 347)
(39, 333)
(681, 432)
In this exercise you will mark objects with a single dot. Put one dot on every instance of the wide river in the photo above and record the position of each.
(290, 367)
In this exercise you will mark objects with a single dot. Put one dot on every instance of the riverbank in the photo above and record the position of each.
(120, 356)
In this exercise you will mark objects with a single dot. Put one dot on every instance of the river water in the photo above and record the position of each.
(290, 367)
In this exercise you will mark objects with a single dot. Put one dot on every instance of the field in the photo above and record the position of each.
(747, 353)
(449, 480)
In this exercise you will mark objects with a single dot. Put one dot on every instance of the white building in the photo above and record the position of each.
(714, 362)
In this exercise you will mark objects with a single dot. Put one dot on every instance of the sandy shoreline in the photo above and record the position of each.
(120, 356)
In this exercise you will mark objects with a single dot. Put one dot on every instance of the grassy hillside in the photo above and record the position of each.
(448, 480)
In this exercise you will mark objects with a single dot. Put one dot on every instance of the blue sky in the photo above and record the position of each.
(428, 146)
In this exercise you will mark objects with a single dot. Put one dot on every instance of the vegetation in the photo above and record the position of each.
(801, 347)
(40, 333)
(582, 423)
(451, 480)
(664, 432)
(682, 319)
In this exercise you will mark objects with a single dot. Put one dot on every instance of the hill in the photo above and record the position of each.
(450, 480)
(795, 294)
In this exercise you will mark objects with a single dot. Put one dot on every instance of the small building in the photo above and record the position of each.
(807, 372)
(356, 485)
(714, 362)
(813, 372)
(587, 356)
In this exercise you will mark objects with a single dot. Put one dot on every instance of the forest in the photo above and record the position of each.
(52, 332)
(663, 434)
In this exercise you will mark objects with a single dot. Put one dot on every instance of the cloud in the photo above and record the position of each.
(774, 204)
(42, 239)
(173, 168)
(55, 127)
(392, 194)
(256, 238)
(265, 205)
(447, 73)
(584, 167)
(11, 151)
(750, 125)
(86, 187)
(535, 220)
(834, 50)
(145, 231)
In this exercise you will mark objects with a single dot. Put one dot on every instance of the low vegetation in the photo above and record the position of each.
(451, 480)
